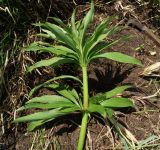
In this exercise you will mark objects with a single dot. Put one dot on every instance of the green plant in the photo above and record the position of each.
(75, 46)
(151, 142)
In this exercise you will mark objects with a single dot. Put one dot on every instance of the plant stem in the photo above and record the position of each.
(85, 88)
(85, 107)
(83, 131)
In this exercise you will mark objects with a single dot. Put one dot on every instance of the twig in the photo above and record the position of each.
(2, 120)
(151, 96)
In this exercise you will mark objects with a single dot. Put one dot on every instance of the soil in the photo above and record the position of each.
(104, 75)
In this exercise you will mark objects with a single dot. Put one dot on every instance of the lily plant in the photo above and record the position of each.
(74, 45)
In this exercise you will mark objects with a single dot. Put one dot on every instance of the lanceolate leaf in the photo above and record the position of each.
(104, 45)
(60, 22)
(117, 103)
(64, 77)
(46, 115)
(55, 85)
(97, 108)
(48, 102)
(100, 97)
(35, 124)
(45, 49)
(112, 30)
(74, 93)
(109, 112)
(58, 50)
(38, 123)
(49, 33)
(53, 61)
(60, 34)
(116, 56)
(73, 25)
(66, 93)
(51, 99)
(97, 35)
(40, 116)
(47, 105)
(85, 23)
(116, 91)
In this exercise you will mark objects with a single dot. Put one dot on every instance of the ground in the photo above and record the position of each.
(104, 75)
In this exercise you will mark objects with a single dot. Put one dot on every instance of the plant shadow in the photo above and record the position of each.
(65, 124)
(103, 79)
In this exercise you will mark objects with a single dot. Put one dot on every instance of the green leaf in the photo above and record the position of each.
(98, 98)
(58, 50)
(49, 33)
(64, 91)
(46, 115)
(73, 24)
(116, 91)
(38, 123)
(46, 106)
(105, 45)
(109, 112)
(112, 30)
(116, 56)
(43, 35)
(53, 61)
(35, 124)
(97, 108)
(60, 22)
(74, 93)
(89, 16)
(51, 99)
(117, 103)
(55, 85)
(85, 23)
(40, 116)
(60, 34)
(64, 77)
(97, 36)
(35, 47)
(65, 50)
